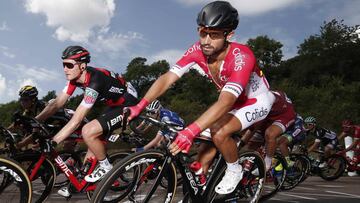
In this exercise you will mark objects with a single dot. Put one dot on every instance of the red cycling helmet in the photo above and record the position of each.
(346, 123)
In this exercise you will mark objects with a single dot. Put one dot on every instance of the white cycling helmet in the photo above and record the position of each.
(154, 107)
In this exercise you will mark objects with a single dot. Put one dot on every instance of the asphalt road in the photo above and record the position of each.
(313, 189)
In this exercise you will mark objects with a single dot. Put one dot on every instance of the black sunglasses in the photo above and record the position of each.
(69, 65)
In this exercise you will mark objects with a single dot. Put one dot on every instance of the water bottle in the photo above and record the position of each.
(200, 177)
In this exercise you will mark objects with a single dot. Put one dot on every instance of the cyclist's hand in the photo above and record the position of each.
(136, 110)
(49, 145)
(184, 139)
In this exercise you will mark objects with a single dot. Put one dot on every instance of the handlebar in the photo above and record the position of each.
(162, 125)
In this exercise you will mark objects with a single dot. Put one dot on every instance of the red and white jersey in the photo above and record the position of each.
(239, 73)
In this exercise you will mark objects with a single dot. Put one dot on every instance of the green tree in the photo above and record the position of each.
(267, 51)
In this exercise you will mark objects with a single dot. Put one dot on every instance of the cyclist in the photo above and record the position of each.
(293, 135)
(349, 129)
(327, 138)
(280, 118)
(157, 111)
(30, 106)
(244, 97)
(99, 84)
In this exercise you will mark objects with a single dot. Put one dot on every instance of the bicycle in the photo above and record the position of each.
(40, 162)
(149, 168)
(18, 188)
(335, 165)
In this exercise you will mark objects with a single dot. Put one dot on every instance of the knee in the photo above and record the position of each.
(218, 137)
(87, 132)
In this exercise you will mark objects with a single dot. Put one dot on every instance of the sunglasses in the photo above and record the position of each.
(212, 34)
(25, 99)
(69, 65)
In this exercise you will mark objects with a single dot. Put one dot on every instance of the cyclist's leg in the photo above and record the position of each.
(221, 136)
(271, 134)
(91, 132)
(206, 154)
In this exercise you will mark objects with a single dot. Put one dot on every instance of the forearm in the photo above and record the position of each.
(66, 131)
(47, 112)
(216, 111)
(341, 136)
(160, 86)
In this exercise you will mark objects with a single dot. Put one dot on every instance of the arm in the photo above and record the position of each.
(158, 88)
(314, 146)
(52, 107)
(73, 124)
(161, 85)
(223, 105)
(342, 135)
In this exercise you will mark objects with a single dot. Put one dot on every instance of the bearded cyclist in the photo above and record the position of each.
(99, 85)
(326, 138)
(244, 97)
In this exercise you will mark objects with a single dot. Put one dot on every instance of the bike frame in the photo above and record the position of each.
(80, 185)
(196, 192)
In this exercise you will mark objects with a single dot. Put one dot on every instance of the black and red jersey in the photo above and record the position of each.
(100, 84)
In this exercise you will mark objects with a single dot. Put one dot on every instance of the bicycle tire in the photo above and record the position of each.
(250, 186)
(9, 167)
(148, 161)
(45, 176)
(296, 173)
(279, 177)
(338, 172)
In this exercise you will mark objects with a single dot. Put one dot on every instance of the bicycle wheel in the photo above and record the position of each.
(250, 187)
(18, 187)
(44, 180)
(76, 162)
(295, 173)
(275, 177)
(336, 165)
(145, 170)
(114, 159)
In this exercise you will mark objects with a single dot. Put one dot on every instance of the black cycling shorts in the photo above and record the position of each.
(112, 118)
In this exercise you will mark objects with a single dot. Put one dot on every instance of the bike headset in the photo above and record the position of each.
(220, 15)
(78, 54)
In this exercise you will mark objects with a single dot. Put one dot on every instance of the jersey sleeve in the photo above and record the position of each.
(69, 88)
(242, 65)
(90, 97)
(188, 60)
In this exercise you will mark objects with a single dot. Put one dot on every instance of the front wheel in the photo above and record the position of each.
(44, 178)
(336, 165)
(250, 187)
(18, 187)
(143, 172)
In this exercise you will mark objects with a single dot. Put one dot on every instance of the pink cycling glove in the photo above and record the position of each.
(136, 110)
(185, 138)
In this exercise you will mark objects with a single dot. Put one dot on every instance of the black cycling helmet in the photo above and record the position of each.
(76, 53)
(219, 15)
(28, 91)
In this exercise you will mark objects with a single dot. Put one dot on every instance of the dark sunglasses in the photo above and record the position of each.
(69, 65)
(213, 34)
(25, 99)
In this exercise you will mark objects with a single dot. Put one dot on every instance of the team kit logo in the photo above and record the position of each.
(90, 96)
